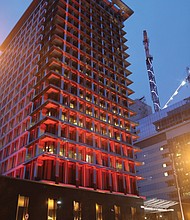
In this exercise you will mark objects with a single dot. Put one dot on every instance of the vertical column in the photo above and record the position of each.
(94, 177)
(59, 130)
(35, 167)
(124, 184)
(110, 181)
(77, 175)
(66, 171)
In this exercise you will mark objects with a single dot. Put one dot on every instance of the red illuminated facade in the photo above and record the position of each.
(65, 106)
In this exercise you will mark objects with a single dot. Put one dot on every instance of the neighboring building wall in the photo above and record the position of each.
(146, 125)
(155, 168)
(65, 106)
(141, 109)
(162, 135)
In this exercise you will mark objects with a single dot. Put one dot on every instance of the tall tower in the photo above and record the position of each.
(151, 76)
(65, 98)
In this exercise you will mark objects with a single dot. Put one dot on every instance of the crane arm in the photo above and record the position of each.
(186, 80)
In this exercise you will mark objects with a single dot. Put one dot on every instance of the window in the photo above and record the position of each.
(98, 212)
(77, 210)
(52, 207)
(117, 212)
(166, 174)
(89, 157)
(22, 207)
(133, 212)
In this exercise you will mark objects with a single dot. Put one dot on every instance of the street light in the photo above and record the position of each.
(178, 189)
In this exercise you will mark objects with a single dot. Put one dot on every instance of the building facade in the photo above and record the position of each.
(37, 200)
(65, 107)
(165, 143)
(141, 109)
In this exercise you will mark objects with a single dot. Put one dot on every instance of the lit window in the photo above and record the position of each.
(22, 207)
(164, 165)
(133, 213)
(166, 174)
(98, 212)
(117, 212)
(77, 210)
(52, 207)
(161, 148)
(88, 158)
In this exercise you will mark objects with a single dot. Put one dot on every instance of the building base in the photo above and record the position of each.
(23, 199)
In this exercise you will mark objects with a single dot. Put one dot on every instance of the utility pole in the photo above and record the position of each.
(177, 185)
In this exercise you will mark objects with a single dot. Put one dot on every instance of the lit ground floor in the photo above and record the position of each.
(22, 199)
(159, 209)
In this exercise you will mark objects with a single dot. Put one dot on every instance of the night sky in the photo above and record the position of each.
(167, 24)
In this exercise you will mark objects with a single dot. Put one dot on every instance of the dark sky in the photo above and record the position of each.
(168, 25)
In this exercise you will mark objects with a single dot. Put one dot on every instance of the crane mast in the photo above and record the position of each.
(151, 76)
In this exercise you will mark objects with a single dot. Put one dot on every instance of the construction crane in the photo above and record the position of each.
(184, 82)
(151, 76)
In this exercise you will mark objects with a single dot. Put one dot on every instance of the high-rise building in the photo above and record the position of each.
(65, 106)
(165, 144)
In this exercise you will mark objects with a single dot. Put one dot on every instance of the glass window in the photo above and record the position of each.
(117, 212)
(77, 210)
(133, 212)
(52, 207)
(98, 212)
(22, 207)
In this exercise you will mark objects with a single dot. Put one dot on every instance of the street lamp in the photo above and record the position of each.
(178, 188)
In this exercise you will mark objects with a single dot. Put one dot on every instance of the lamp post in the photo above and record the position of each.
(178, 188)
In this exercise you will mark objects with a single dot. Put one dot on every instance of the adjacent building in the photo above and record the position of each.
(141, 108)
(65, 110)
(165, 143)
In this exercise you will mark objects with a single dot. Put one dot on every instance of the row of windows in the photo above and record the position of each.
(110, 51)
(77, 73)
(89, 155)
(112, 56)
(90, 9)
(75, 173)
(80, 135)
(82, 120)
(19, 120)
(12, 162)
(98, 25)
(87, 65)
(54, 206)
(14, 146)
(78, 103)
(95, 81)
